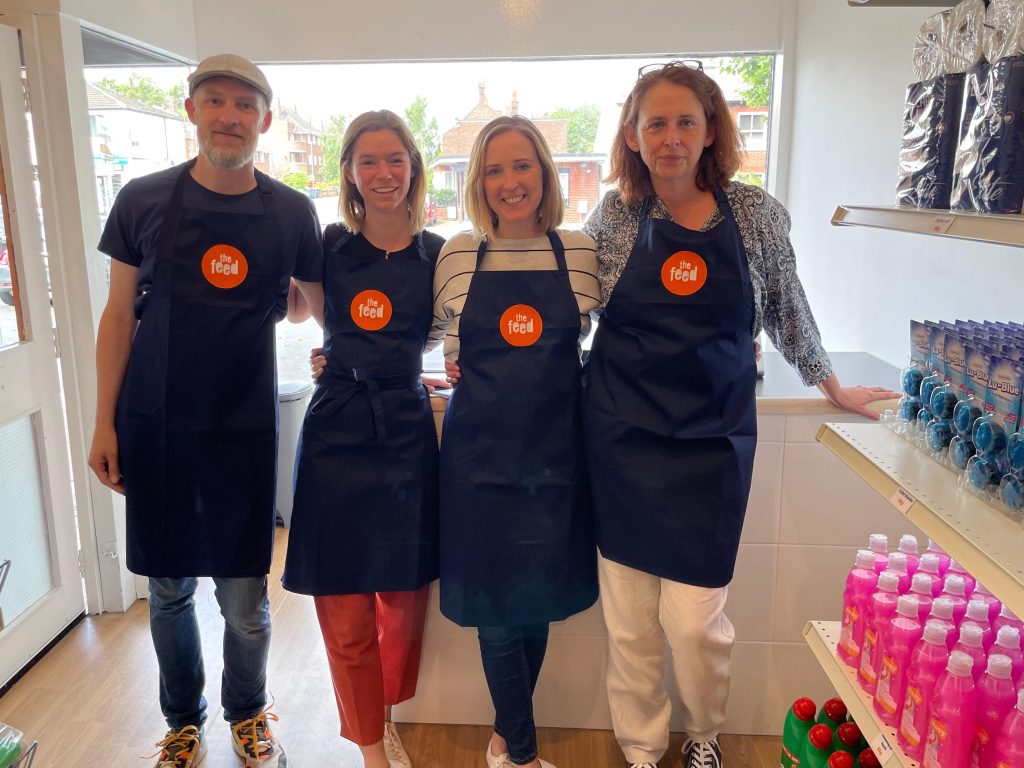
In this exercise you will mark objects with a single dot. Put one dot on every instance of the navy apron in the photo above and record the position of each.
(517, 542)
(365, 512)
(197, 412)
(670, 415)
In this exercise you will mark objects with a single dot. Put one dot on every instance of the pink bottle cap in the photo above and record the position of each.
(929, 564)
(1020, 700)
(981, 589)
(878, 542)
(908, 544)
(1006, 613)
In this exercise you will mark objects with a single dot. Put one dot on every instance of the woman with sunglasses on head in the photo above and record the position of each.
(513, 299)
(692, 266)
(363, 539)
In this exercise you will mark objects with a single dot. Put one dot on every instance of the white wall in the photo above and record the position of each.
(852, 67)
(353, 30)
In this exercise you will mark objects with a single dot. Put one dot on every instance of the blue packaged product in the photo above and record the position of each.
(943, 401)
(1012, 493)
(1015, 451)
(960, 451)
(909, 407)
(939, 434)
(982, 472)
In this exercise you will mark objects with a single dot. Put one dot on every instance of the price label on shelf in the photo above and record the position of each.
(941, 224)
(881, 747)
(902, 500)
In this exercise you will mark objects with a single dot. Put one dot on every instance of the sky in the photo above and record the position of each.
(451, 88)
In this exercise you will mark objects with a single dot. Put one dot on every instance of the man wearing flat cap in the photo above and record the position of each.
(186, 417)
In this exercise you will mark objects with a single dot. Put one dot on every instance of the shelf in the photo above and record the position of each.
(987, 542)
(822, 637)
(960, 225)
(900, 3)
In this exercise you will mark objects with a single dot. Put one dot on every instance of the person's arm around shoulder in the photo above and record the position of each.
(113, 346)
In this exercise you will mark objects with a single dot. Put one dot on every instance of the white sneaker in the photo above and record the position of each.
(393, 749)
(497, 761)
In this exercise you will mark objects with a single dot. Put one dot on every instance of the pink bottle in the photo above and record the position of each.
(969, 581)
(921, 588)
(977, 613)
(860, 583)
(942, 612)
(883, 606)
(879, 544)
(897, 564)
(1009, 746)
(951, 716)
(930, 564)
(929, 658)
(908, 546)
(954, 589)
(939, 552)
(969, 644)
(1008, 643)
(1007, 618)
(982, 593)
(996, 697)
(902, 636)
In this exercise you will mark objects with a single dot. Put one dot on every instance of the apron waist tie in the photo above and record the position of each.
(374, 380)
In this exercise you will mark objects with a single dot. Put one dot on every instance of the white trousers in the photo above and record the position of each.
(641, 611)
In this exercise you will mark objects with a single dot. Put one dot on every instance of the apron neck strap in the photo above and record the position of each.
(556, 246)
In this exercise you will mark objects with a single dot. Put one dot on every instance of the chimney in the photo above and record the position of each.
(515, 104)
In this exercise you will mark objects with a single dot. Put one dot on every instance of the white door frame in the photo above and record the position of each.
(29, 384)
(54, 61)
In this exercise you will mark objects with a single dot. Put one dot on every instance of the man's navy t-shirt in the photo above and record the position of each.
(132, 232)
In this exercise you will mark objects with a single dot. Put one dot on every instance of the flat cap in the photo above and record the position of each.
(230, 65)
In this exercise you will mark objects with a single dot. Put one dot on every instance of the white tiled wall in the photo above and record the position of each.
(806, 518)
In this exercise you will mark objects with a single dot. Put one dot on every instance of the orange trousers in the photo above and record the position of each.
(373, 642)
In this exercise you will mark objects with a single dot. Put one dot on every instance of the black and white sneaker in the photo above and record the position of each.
(702, 754)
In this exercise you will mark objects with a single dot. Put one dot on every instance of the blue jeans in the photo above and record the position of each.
(172, 623)
(512, 658)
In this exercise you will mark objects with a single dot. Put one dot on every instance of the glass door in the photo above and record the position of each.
(40, 580)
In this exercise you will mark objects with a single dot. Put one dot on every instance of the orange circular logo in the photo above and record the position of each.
(371, 310)
(520, 325)
(224, 266)
(684, 273)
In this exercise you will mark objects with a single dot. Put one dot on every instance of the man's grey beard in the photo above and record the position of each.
(227, 159)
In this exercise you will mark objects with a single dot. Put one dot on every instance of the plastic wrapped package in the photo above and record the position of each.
(976, 91)
(1003, 34)
(989, 165)
(931, 125)
(929, 48)
(964, 48)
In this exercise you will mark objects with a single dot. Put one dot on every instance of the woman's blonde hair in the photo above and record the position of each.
(485, 221)
(353, 207)
(717, 163)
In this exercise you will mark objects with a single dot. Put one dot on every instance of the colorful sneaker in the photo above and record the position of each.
(393, 749)
(184, 748)
(702, 754)
(256, 744)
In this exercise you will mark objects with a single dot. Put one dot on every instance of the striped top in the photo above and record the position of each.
(457, 262)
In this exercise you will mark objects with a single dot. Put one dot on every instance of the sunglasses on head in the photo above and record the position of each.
(688, 63)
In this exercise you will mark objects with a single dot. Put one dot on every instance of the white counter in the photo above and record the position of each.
(806, 518)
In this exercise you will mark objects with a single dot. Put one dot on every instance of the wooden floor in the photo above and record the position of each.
(92, 702)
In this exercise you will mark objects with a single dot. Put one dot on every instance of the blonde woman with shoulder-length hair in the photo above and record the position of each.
(363, 540)
(512, 300)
